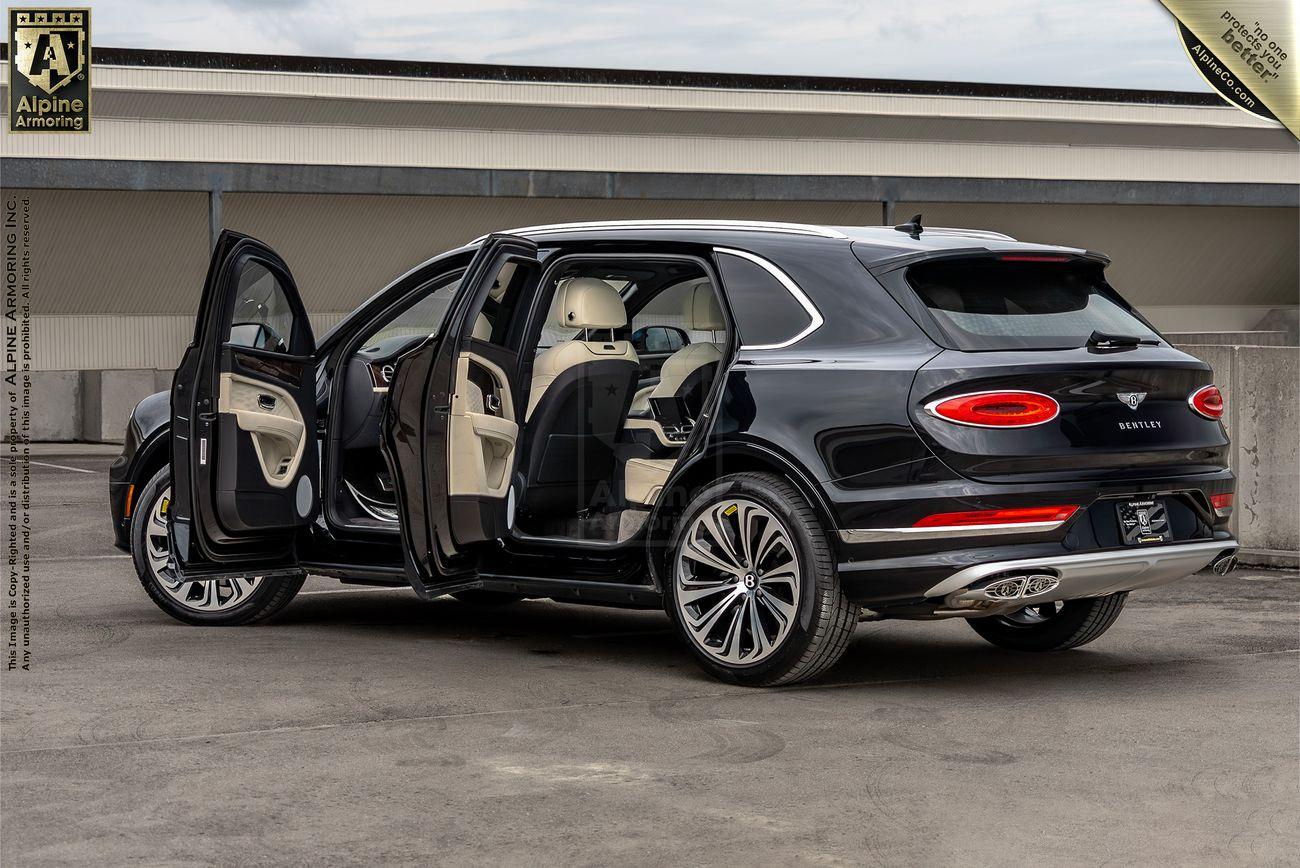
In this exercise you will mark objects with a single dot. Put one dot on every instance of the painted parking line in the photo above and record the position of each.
(73, 558)
(55, 466)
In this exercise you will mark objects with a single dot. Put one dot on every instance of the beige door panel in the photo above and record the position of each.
(272, 417)
(480, 444)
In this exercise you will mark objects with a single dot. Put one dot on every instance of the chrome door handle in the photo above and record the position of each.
(265, 401)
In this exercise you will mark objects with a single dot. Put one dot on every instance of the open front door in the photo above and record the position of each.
(454, 415)
(245, 471)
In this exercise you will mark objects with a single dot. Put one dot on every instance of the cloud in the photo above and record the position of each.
(1105, 43)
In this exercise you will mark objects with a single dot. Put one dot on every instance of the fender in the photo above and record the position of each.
(718, 458)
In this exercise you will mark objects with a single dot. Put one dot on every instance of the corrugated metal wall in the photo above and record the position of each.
(347, 145)
(120, 273)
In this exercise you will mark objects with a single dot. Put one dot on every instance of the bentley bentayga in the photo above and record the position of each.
(769, 430)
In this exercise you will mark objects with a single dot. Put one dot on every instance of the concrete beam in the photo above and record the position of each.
(148, 175)
(214, 217)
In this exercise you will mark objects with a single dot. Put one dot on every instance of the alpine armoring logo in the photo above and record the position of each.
(49, 70)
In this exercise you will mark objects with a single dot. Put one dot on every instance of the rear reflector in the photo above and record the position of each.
(1208, 402)
(996, 409)
(1222, 503)
(1025, 257)
(1019, 515)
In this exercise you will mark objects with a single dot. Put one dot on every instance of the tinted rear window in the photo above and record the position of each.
(765, 311)
(995, 304)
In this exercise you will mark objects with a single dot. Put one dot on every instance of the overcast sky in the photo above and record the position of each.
(1101, 43)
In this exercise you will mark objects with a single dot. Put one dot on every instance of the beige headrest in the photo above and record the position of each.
(589, 303)
(701, 310)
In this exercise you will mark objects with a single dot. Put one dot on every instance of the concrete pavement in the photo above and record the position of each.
(364, 726)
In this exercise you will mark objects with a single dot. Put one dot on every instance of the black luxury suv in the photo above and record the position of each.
(769, 430)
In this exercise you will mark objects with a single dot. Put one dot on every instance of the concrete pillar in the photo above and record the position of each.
(214, 217)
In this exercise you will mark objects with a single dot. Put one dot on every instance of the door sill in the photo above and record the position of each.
(573, 591)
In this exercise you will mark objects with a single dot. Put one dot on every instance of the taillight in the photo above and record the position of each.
(1222, 504)
(996, 409)
(1018, 515)
(1207, 401)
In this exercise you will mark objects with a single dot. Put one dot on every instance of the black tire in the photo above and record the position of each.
(1073, 623)
(480, 597)
(824, 620)
(265, 600)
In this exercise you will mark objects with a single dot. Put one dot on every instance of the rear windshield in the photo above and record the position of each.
(998, 304)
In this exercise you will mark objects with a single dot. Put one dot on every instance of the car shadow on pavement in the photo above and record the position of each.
(880, 654)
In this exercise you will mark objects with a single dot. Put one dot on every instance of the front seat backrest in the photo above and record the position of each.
(688, 373)
(578, 403)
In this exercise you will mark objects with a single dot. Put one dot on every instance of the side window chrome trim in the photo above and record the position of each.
(815, 317)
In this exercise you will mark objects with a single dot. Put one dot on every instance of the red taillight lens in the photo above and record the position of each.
(1222, 503)
(1019, 515)
(1208, 401)
(996, 409)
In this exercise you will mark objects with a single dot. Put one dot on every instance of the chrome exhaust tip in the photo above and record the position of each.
(1224, 564)
(1004, 590)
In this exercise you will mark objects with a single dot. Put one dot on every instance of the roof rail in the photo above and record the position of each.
(730, 225)
(974, 233)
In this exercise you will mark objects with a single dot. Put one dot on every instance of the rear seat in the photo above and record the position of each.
(644, 478)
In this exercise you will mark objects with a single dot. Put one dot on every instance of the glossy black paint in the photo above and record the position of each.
(437, 531)
(225, 518)
(841, 414)
(1096, 435)
(146, 448)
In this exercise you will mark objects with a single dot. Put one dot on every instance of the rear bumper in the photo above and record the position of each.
(1026, 581)
(925, 579)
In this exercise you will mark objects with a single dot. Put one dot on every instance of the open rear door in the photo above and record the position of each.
(245, 471)
(453, 420)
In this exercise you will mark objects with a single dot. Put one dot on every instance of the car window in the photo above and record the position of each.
(656, 340)
(765, 310)
(262, 317)
(663, 314)
(997, 304)
(425, 316)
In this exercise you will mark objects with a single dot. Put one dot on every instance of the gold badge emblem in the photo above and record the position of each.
(49, 70)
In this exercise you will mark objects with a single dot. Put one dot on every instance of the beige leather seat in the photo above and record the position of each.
(644, 478)
(581, 391)
(581, 304)
(684, 372)
(482, 325)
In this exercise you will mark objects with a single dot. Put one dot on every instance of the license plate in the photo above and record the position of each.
(1142, 522)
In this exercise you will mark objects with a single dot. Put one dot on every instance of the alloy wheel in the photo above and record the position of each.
(214, 596)
(738, 581)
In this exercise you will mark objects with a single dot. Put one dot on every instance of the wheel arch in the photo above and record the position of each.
(716, 461)
(152, 455)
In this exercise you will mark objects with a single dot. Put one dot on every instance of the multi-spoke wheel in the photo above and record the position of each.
(738, 581)
(199, 596)
(223, 601)
(753, 587)
(1051, 626)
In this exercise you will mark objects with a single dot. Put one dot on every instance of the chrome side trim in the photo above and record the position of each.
(897, 534)
(730, 225)
(790, 287)
(1094, 574)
